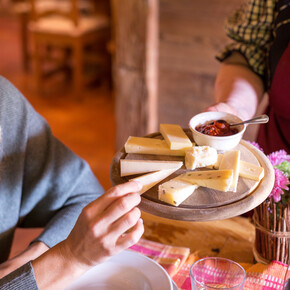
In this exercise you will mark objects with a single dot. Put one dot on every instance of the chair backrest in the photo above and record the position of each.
(70, 9)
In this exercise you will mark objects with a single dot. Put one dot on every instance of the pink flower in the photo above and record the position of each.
(279, 161)
(256, 145)
(278, 156)
(281, 182)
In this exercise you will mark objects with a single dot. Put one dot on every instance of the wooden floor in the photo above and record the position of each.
(86, 126)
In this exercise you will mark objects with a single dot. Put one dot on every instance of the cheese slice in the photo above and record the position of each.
(175, 136)
(251, 171)
(231, 160)
(215, 179)
(131, 167)
(153, 146)
(200, 156)
(247, 170)
(151, 179)
(175, 191)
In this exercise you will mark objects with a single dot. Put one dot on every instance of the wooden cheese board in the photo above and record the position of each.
(204, 204)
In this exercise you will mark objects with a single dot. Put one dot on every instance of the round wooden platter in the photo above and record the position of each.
(204, 204)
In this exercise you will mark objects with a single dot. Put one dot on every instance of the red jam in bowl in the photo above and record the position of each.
(216, 128)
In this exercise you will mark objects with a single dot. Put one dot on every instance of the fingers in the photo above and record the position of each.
(125, 223)
(129, 239)
(114, 193)
(210, 109)
(120, 207)
(221, 107)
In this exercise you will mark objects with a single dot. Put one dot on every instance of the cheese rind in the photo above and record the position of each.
(200, 156)
(175, 136)
(215, 179)
(231, 160)
(175, 191)
(131, 167)
(251, 171)
(153, 146)
(151, 179)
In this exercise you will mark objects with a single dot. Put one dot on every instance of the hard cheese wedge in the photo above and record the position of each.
(215, 179)
(251, 171)
(151, 179)
(143, 145)
(200, 156)
(131, 167)
(175, 191)
(231, 160)
(175, 136)
(247, 170)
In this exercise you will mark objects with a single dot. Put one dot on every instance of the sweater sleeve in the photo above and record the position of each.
(55, 183)
(21, 278)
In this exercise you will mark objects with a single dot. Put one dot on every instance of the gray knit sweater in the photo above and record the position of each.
(42, 183)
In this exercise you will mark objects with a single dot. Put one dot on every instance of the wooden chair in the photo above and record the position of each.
(71, 31)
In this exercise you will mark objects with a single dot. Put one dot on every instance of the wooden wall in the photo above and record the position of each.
(191, 34)
(184, 42)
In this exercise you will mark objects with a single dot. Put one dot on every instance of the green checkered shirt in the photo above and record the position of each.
(252, 29)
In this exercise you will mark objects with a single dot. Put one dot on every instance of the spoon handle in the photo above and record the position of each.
(257, 120)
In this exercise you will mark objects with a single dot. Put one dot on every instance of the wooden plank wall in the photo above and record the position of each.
(191, 33)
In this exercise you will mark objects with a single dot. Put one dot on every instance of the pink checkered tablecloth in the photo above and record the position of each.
(177, 261)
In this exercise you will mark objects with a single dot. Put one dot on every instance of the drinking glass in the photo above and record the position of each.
(213, 273)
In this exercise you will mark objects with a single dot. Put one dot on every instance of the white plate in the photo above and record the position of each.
(125, 271)
(174, 286)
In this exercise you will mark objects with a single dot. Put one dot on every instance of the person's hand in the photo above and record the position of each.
(222, 107)
(101, 230)
(104, 228)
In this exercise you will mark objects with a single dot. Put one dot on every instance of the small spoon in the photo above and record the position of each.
(257, 120)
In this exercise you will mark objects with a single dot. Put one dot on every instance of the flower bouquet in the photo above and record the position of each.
(272, 217)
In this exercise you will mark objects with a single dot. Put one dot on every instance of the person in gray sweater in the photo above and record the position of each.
(44, 184)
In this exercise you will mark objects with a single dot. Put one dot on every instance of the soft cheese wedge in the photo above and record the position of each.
(175, 136)
(151, 179)
(251, 171)
(131, 167)
(215, 179)
(175, 191)
(200, 156)
(231, 160)
(216, 165)
(143, 145)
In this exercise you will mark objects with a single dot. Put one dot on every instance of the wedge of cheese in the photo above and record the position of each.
(231, 160)
(215, 179)
(175, 191)
(153, 146)
(131, 167)
(175, 136)
(200, 156)
(151, 179)
(251, 171)
(247, 170)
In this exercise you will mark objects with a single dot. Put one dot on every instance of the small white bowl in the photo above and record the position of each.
(220, 143)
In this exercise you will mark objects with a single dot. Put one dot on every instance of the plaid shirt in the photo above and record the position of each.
(252, 29)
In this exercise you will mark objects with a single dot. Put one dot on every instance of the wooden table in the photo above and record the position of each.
(231, 238)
